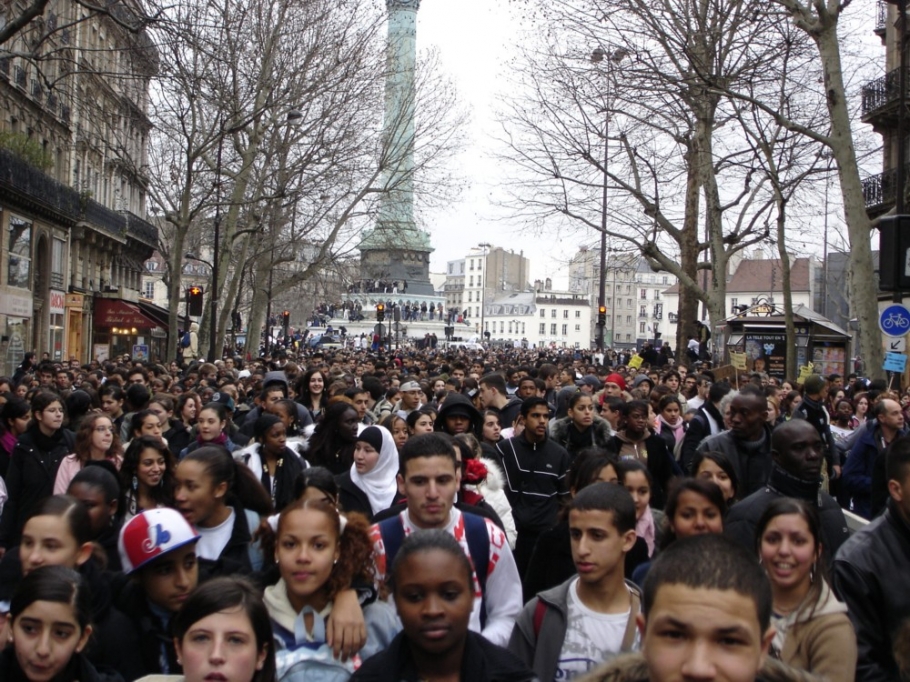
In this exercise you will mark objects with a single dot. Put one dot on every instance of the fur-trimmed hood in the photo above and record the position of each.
(632, 668)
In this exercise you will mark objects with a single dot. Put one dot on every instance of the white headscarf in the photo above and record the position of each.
(379, 484)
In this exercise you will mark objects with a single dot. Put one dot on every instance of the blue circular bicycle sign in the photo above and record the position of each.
(894, 320)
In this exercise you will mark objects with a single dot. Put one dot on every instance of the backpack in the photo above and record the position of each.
(185, 340)
(475, 530)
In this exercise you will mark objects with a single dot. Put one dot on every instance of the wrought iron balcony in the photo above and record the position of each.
(881, 18)
(64, 204)
(880, 96)
(879, 190)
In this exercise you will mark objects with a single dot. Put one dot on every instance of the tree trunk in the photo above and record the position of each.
(792, 370)
(863, 292)
(687, 312)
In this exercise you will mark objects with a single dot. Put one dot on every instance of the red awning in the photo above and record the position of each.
(113, 312)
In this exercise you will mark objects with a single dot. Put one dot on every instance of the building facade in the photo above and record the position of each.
(539, 319)
(73, 137)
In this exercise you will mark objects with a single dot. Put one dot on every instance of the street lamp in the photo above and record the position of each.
(615, 57)
(483, 283)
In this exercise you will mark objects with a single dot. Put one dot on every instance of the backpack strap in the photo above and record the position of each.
(628, 638)
(392, 532)
(540, 610)
(478, 537)
(255, 549)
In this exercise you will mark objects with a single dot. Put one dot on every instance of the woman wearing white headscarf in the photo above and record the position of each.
(370, 486)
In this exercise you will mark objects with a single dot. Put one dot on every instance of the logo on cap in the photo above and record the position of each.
(157, 537)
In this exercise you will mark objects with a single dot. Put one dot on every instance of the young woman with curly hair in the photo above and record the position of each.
(147, 476)
(318, 556)
(96, 440)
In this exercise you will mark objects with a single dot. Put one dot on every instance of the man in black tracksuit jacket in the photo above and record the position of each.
(535, 469)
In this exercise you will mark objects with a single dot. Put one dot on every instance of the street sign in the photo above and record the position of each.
(898, 345)
(895, 362)
(894, 320)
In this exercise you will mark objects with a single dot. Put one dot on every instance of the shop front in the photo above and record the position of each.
(16, 310)
(763, 339)
(126, 328)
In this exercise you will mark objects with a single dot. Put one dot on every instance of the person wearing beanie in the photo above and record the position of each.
(158, 553)
(371, 484)
(812, 409)
(273, 463)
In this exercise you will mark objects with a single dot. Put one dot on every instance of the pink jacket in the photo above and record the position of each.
(69, 467)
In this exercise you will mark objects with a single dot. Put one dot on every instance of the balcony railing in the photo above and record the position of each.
(881, 17)
(879, 190)
(41, 190)
(881, 92)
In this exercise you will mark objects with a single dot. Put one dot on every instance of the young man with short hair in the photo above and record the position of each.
(429, 478)
(566, 631)
(493, 396)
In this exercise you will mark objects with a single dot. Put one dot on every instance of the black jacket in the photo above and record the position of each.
(743, 517)
(235, 557)
(481, 662)
(79, 669)
(699, 428)
(154, 639)
(660, 463)
(32, 471)
(352, 499)
(178, 437)
(752, 466)
(460, 404)
(872, 575)
(551, 563)
(535, 480)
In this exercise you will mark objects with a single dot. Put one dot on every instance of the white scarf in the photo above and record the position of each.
(380, 484)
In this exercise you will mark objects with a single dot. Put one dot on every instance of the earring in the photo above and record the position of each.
(135, 482)
(335, 562)
(812, 573)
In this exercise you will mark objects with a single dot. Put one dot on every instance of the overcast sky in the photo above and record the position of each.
(475, 39)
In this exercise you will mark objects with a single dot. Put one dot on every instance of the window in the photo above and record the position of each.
(642, 311)
(734, 304)
(565, 314)
(470, 297)
(628, 302)
(628, 319)
(20, 252)
(578, 327)
(476, 311)
(665, 280)
(478, 281)
(628, 337)
(510, 326)
(641, 327)
(553, 313)
(577, 314)
(543, 313)
(148, 289)
(522, 328)
(501, 326)
(628, 288)
(644, 294)
(543, 328)
(656, 294)
(58, 266)
(472, 281)
(565, 329)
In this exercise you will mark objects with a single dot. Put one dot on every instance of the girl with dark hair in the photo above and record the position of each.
(223, 501)
(188, 407)
(98, 489)
(492, 428)
(715, 467)
(176, 433)
(146, 423)
(211, 429)
(813, 632)
(286, 411)
(398, 427)
(582, 428)
(419, 422)
(53, 604)
(370, 486)
(96, 440)
(695, 506)
(223, 633)
(316, 483)
(146, 476)
(14, 418)
(431, 573)
(271, 460)
(311, 393)
(112, 398)
(78, 404)
(332, 442)
(33, 466)
(635, 477)
(672, 424)
(319, 556)
(60, 534)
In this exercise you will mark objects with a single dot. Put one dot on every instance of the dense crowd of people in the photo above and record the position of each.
(438, 515)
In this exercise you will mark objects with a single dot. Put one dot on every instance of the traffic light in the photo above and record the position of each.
(286, 319)
(194, 301)
(602, 315)
(380, 312)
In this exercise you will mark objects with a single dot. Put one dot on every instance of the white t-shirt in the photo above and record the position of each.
(591, 637)
(212, 541)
